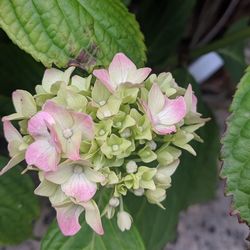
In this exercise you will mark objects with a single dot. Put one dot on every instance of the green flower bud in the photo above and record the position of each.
(103, 130)
(156, 196)
(167, 154)
(145, 176)
(147, 155)
(128, 94)
(115, 146)
(120, 189)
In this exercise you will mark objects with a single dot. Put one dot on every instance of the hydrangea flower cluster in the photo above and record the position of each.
(119, 130)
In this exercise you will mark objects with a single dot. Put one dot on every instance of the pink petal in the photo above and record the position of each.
(103, 76)
(43, 155)
(60, 114)
(37, 125)
(139, 75)
(72, 146)
(10, 132)
(173, 112)
(67, 218)
(79, 187)
(92, 216)
(85, 124)
(156, 99)
(164, 130)
(120, 67)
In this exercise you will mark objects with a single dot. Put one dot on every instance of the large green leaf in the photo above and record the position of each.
(236, 150)
(18, 206)
(86, 239)
(79, 32)
(194, 181)
(163, 25)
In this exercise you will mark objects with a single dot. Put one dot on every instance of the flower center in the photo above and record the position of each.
(118, 124)
(77, 169)
(102, 103)
(102, 132)
(67, 133)
(115, 147)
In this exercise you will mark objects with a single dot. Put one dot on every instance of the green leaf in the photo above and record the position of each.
(162, 34)
(86, 239)
(18, 206)
(194, 181)
(80, 32)
(233, 54)
(236, 148)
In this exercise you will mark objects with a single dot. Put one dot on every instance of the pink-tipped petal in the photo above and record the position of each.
(103, 76)
(139, 75)
(60, 114)
(85, 124)
(173, 112)
(67, 218)
(92, 216)
(156, 99)
(72, 146)
(79, 187)
(119, 68)
(37, 125)
(164, 130)
(43, 155)
(10, 132)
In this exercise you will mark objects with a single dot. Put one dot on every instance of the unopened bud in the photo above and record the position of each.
(114, 202)
(124, 220)
(139, 192)
(152, 145)
(131, 167)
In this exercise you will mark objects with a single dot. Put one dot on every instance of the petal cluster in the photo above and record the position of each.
(118, 130)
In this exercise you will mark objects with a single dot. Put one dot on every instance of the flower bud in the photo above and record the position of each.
(152, 145)
(124, 220)
(114, 202)
(139, 191)
(131, 167)
(156, 196)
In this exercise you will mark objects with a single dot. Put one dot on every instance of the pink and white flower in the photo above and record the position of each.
(164, 113)
(45, 151)
(121, 70)
(77, 179)
(57, 131)
(68, 217)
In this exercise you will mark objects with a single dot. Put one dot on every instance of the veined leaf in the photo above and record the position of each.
(79, 32)
(236, 150)
(86, 239)
(193, 182)
(18, 206)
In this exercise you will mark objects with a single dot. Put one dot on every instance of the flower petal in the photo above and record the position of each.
(45, 188)
(54, 75)
(139, 75)
(79, 187)
(119, 68)
(24, 103)
(173, 112)
(156, 99)
(11, 133)
(67, 218)
(37, 125)
(43, 155)
(63, 173)
(103, 76)
(85, 124)
(60, 114)
(92, 216)
(164, 130)
(13, 162)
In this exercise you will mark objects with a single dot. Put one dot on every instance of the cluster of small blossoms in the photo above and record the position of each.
(117, 131)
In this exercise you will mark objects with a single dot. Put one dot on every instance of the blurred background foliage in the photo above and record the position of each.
(176, 32)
